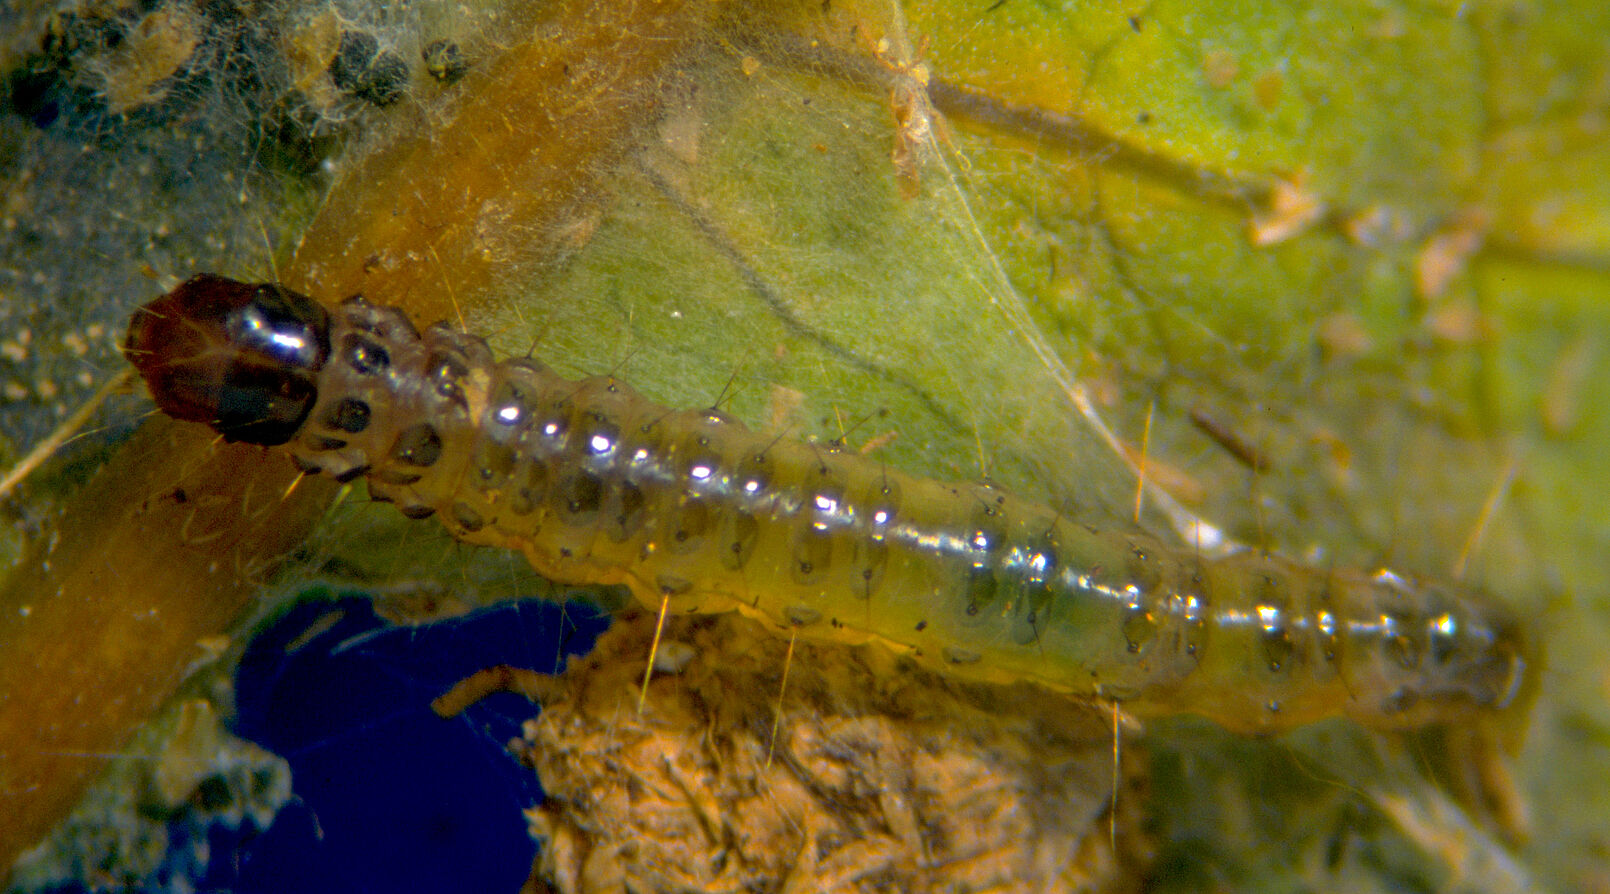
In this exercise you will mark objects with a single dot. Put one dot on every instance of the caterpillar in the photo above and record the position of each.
(695, 512)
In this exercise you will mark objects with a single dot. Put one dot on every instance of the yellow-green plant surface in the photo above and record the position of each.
(1337, 273)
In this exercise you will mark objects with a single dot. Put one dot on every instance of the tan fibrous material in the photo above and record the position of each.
(879, 776)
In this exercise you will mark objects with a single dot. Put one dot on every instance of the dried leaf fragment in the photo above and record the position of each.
(879, 777)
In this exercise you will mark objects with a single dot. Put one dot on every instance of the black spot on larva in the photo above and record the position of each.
(955, 655)
(364, 355)
(467, 518)
(921, 626)
(320, 443)
(874, 558)
(813, 552)
(1271, 603)
(1442, 643)
(416, 511)
(671, 585)
(1033, 604)
(554, 426)
(528, 495)
(985, 542)
(1042, 564)
(444, 61)
(510, 404)
(578, 497)
(523, 502)
(387, 324)
(1330, 643)
(628, 512)
(1399, 700)
(802, 615)
(1274, 620)
(1144, 569)
(882, 504)
(419, 445)
(353, 474)
(446, 374)
(740, 540)
(1140, 625)
(1190, 605)
(982, 587)
(349, 415)
(1326, 625)
(754, 475)
(690, 523)
(1027, 629)
(701, 471)
(495, 462)
(599, 435)
(1403, 650)
(394, 476)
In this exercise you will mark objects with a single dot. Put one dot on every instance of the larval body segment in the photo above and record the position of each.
(598, 485)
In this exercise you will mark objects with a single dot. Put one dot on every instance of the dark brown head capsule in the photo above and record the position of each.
(242, 357)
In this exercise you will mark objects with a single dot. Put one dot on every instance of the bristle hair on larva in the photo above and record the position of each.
(597, 485)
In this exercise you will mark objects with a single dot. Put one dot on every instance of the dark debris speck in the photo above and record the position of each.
(364, 70)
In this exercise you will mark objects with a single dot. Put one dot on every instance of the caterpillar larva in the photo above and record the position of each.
(598, 485)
